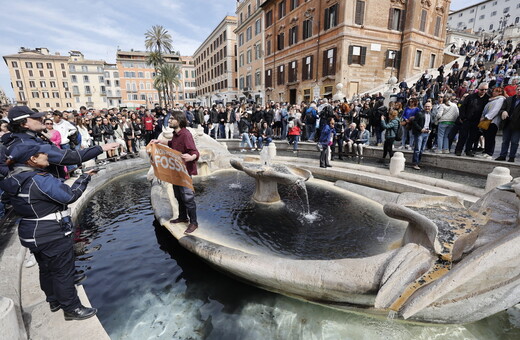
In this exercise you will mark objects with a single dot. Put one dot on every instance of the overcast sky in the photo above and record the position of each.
(97, 28)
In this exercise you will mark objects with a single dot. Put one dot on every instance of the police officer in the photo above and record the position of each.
(25, 126)
(45, 226)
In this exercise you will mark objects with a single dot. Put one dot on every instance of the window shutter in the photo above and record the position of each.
(360, 12)
(325, 62)
(350, 51)
(397, 61)
(391, 19)
(363, 55)
(305, 76)
(335, 56)
(326, 20)
(387, 61)
(402, 20)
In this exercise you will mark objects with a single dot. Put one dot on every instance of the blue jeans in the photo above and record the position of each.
(245, 140)
(443, 142)
(420, 145)
(221, 131)
(408, 137)
(294, 139)
(512, 137)
(261, 140)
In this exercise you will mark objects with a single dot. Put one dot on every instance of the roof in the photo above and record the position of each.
(34, 55)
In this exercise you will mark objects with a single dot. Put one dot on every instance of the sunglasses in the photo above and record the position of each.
(49, 124)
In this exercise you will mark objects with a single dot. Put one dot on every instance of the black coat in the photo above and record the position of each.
(513, 121)
(472, 107)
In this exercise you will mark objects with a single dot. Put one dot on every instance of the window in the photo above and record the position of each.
(418, 56)
(84, 68)
(30, 73)
(329, 62)
(281, 39)
(495, 3)
(32, 83)
(294, 4)
(85, 79)
(62, 66)
(19, 84)
(422, 26)
(87, 90)
(52, 84)
(249, 33)
(74, 78)
(45, 95)
(14, 64)
(51, 74)
(396, 19)
(49, 66)
(307, 68)
(293, 35)
(506, 10)
(17, 72)
(42, 83)
(268, 18)
(471, 20)
(432, 60)
(258, 78)
(293, 71)
(35, 94)
(360, 13)
(437, 29)
(331, 16)
(28, 64)
(41, 73)
(281, 75)
(258, 26)
(391, 58)
(102, 79)
(248, 81)
(493, 13)
(249, 56)
(258, 51)
(281, 9)
(241, 60)
(472, 10)
(241, 39)
(481, 17)
(357, 55)
(64, 74)
(307, 29)
(483, 7)
(39, 65)
(55, 95)
(241, 83)
(268, 47)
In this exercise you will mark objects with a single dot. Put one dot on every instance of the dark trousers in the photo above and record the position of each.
(338, 140)
(187, 207)
(148, 135)
(56, 262)
(489, 136)
(468, 135)
(510, 137)
(388, 147)
(324, 157)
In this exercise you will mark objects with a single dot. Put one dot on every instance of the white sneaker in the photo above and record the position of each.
(408, 147)
(31, 261)
(242, 150)
(123, 154)
(446, 151)
(486, 156)
(400, 148)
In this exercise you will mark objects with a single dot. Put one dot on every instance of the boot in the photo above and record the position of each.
(80, 313)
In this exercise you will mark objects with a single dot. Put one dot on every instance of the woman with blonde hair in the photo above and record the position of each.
(390, 133)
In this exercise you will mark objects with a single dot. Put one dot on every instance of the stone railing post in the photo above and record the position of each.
(500, 175)
(397, 163)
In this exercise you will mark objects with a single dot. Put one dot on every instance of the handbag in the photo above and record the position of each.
(484, 124)
(319, 147)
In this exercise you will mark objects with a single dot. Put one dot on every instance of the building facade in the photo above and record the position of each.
(112, 85)
(215, 65)
(250, 50)
(39, 79)
(187, 91)
(486, 16)
(310, 46)
(87, 78)
(136, 78)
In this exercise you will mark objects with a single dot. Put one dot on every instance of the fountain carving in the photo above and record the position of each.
(453, 264)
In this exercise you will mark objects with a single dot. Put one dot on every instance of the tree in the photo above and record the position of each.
(167, 79)
(157, 40)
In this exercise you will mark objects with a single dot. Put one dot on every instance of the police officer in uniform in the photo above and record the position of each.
(45, 226)
(25, 126)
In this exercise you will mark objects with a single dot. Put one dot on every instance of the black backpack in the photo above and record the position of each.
(399, 134)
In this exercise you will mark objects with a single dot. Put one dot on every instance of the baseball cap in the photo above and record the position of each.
(20, 154)
(21, 112)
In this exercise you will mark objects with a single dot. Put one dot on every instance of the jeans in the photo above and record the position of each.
(246, 140)
(214, 130)
(512, 137)
(261, 140)
(420, 144)
(408, 137)
(229, 130)
(324, 156)
(294, 140)
(187, 207)
(221, 131)
(443, 141)
(311, 131)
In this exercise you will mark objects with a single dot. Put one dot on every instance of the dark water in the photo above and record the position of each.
(148, 287)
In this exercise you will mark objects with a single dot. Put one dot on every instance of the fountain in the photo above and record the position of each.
(268, 176)
(453, 264)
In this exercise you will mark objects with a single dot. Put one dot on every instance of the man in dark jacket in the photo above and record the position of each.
(511, 135)
(45, 226)
(25, 126)
(421, 130)
(469, 116)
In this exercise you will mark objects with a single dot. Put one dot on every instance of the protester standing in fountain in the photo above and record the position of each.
(45, 226)
(326, 137)
(183, 142)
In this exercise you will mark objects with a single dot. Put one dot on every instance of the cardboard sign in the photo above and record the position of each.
(169, 166)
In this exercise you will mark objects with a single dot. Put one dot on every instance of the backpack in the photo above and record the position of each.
(291, 123)
(399, 134)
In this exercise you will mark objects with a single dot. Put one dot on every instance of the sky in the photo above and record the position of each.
(99, 28)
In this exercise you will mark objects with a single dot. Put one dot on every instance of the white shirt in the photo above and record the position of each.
(65, 129)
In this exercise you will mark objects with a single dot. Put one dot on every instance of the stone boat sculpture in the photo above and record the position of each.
(453, 265)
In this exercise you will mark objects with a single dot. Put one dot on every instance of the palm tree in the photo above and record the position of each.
(168, 77)
(157, 40)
